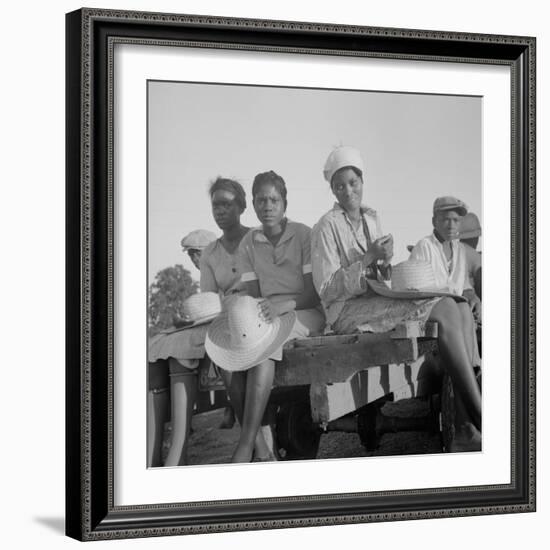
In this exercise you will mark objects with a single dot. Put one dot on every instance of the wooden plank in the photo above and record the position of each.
(415, 329)
(331, 401)
(411, 329)
(336, 363)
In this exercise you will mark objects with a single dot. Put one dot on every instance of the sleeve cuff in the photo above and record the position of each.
(250, 276)
(306, 269)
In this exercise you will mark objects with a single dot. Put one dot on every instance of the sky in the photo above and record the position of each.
(415, 147)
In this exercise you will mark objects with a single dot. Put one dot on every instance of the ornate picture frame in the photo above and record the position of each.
(91, 509)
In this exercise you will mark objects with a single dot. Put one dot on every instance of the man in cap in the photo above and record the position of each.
(195, 242)
(470, 231)
(445, 253)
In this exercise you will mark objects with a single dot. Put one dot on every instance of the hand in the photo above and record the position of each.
(268, 311)
(179, 322)
(388, 249)
(381, 249)
(475, 305)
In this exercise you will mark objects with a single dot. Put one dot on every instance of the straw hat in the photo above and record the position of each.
(198, 239)
(241, 339)
(198, 309)
(202, 307)
(412, 279)
(469, 227)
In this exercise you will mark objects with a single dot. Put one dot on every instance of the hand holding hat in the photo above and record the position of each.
(241, 338)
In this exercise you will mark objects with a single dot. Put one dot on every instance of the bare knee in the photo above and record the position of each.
(466, 312)
(447, 314)
(262, 374)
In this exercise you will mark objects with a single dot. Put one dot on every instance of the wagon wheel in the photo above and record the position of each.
(447, 415)
(297, 436)
(367, 426)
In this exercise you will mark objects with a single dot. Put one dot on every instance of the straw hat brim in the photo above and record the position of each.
(384, 290)
(195, 323)
(219, 349)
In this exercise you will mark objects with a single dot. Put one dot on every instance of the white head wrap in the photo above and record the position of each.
(341, 157)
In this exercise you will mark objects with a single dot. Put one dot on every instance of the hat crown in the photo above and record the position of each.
(202, 304)
(246, 326)
(413, 275)
(199, 239)
(449, 203)
(469, 225)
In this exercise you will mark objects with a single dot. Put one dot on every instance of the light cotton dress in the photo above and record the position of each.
(219, 273)
(280, 271)
(338, 275)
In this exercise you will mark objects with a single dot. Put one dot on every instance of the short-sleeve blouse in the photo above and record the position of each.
(279, 269)
(219, 270)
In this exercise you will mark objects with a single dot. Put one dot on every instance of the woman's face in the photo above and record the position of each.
(269, 205)
(226, 210)
(347, 187)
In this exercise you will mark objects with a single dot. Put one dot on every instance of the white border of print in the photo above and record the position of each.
(133, 483)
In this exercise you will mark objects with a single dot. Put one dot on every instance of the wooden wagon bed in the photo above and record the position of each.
(345, 373)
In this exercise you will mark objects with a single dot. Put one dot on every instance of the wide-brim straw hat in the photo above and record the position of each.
(192, 324)
(200, 308)
(412, 279)
(384, 290)
(239, 339)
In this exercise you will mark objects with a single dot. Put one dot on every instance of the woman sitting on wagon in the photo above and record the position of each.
(275, 262)
(177, 354)
(349, 250)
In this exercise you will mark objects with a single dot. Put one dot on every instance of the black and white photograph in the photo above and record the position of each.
(314, 273)
(300, 268)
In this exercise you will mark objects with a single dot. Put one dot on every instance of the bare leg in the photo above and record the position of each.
(467, 437)
(236, 384)
(468, 327)
(228, 420)
(258, 389)
(158, 413)
(183, 387)
(452, 343)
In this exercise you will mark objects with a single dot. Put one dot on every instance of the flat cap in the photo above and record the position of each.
(199, 239)
(442, 204)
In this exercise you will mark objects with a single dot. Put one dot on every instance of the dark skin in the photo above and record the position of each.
(270, 208)
(454, 321)
(446, 226)
(250, 390)
(183, 386)
(347, 187)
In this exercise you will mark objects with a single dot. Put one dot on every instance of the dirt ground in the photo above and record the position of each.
(211, 445)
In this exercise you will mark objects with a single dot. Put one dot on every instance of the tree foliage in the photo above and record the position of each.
(172, 285)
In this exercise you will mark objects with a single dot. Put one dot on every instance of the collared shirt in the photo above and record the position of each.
(453, 275)
(337, 250)
(279, 269)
